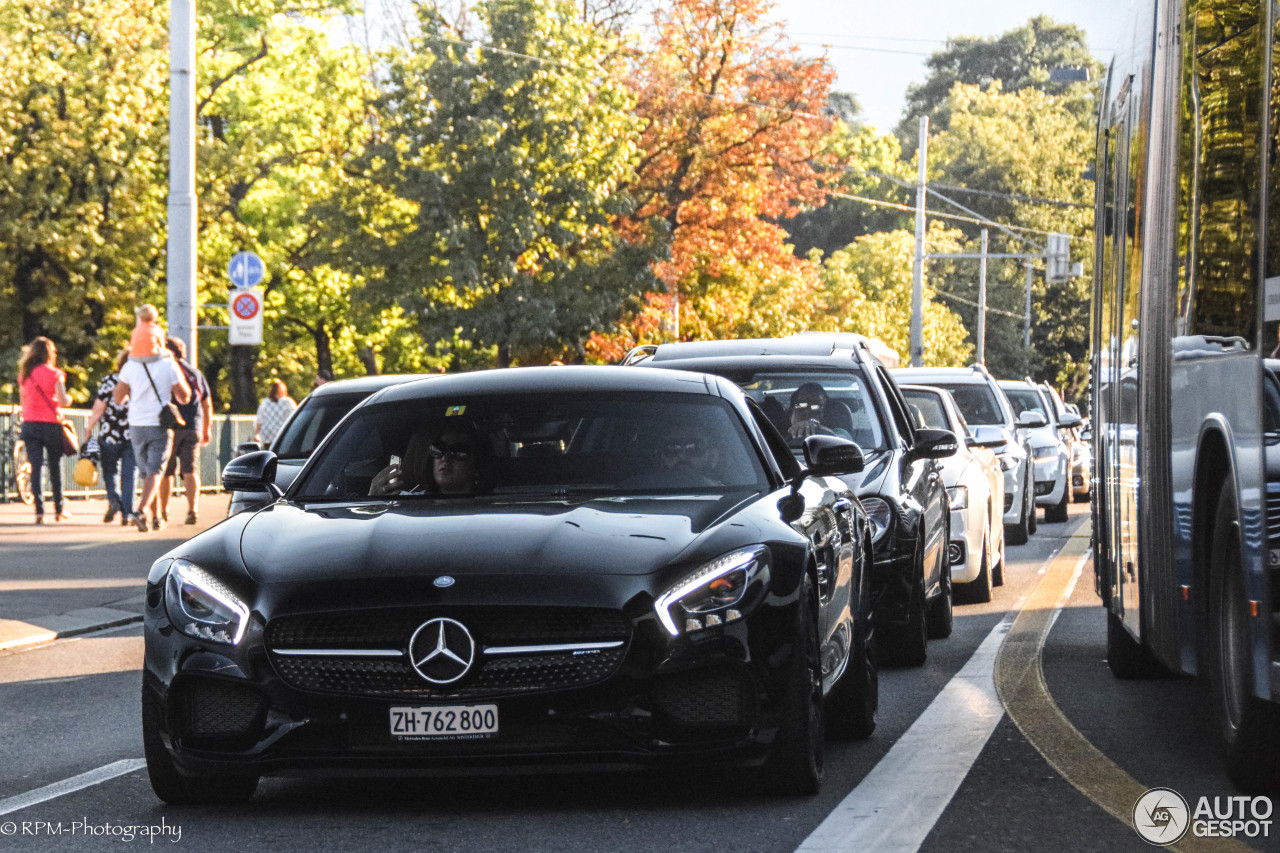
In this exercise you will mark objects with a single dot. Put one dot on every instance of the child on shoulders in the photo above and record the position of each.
(146, 344)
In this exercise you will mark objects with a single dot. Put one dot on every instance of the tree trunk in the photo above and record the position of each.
(504, 355)
(324, 352)
(367, 358)
(244, 396)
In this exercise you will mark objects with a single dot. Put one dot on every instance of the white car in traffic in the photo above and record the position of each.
(975, 486)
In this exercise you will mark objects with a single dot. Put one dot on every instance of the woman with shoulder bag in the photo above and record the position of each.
(43, 388)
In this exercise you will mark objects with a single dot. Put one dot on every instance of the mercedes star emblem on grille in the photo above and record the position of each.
(443, 581)
(442, 650)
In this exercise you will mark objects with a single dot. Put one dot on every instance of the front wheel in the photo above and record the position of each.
(1057, 513)
(941, 617)
(852, 703)
(908, 644)
(795, 764)
(1033, 520)
(1019, 533)
(1249, 727)
(978, 590)
(171, 785)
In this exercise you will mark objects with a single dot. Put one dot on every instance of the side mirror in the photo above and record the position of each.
(246, 447)
(934, 444)
(987, 436)
(1069, 421)
(830, 454)
(253, 472)
(1032, 420)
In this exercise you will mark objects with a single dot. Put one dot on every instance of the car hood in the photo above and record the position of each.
(870, 479)
(619, 536)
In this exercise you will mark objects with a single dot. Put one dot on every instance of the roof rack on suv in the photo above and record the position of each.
(640, 353)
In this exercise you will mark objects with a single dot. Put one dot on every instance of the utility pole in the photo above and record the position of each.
(181, 261)
(917, 269)
(982, 301)
(1026, 323)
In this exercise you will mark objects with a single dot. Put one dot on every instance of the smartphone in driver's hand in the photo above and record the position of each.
(395, 460)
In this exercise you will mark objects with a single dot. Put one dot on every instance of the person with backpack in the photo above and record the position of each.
(188, 439)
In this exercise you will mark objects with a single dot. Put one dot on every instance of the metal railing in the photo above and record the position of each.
(228, 431)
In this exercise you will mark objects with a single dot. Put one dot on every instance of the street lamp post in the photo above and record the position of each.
(181, 261)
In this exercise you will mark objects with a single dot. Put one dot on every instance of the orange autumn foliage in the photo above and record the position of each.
(733, 129)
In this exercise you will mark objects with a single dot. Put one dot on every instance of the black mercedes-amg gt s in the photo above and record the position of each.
(571, 564)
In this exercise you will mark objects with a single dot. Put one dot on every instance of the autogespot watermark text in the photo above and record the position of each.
(1162, 817)
(85, 828)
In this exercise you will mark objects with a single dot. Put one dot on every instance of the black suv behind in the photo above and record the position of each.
(901, 484)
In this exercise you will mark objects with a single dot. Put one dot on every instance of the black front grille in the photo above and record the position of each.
(1008, 501)
(216, 713)
(707, 698)
(494, 674)
(1273, 514)
(491, 626)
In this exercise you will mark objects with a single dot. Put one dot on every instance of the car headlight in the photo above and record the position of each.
(1008, 461)
(959, 496)
(200, 606)
(1044, 454)
(880, 514)
(713, 594)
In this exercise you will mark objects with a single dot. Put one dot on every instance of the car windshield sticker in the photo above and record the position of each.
(454, 410)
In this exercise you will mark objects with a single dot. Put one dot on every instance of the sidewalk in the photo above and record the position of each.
(81, 575)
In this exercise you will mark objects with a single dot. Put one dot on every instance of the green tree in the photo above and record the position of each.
(1019, 59)
(507, 158)
(1031, 149)
(82, 174)
(866, 288)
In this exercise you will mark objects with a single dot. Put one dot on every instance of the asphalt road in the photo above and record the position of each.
(71, 707)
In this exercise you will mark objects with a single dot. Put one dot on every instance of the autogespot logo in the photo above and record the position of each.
(1161, 816)
(442, 650)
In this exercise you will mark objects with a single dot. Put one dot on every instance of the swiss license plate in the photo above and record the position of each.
(444, 722)
(1274, 558)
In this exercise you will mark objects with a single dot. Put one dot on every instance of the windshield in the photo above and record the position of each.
(315, 417)
(545, 444)
(1026, 400)
(977, 402)
(843, 404)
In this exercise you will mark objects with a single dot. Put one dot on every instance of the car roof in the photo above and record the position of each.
(926, 375)
(579, 378)
(1018, 383)
(365, 384)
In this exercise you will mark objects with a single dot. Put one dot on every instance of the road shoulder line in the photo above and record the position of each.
(1020, 682)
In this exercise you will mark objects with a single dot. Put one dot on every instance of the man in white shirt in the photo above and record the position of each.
(147, 387)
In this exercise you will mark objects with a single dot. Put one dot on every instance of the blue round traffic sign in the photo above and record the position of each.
(246, 270)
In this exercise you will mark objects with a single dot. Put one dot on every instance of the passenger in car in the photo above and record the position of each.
(453, 463)
(812, 413)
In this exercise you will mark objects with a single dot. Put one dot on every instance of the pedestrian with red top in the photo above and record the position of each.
(43, 389)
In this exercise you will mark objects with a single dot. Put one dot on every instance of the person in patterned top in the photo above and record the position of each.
(272, 413)
(114, 445)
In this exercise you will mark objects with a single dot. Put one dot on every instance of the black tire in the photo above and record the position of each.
(1019, 533)
(997, 570)
(852, 703)
(795, 763)
(1248, 727)
(1057, 514)
(172, 786)
(908, 644)
(1033, 515)
(1127, 658)
(978, 590)
(941, 619)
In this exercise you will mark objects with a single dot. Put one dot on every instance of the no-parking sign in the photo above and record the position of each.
(246, 317)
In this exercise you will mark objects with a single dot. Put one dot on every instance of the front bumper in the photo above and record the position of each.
(966, 538)
(715, 695)
(1050, 481)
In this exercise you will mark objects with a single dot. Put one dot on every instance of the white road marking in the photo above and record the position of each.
(70, 786)
(896, 805)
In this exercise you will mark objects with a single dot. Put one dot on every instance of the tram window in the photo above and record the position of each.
(1220, 138)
